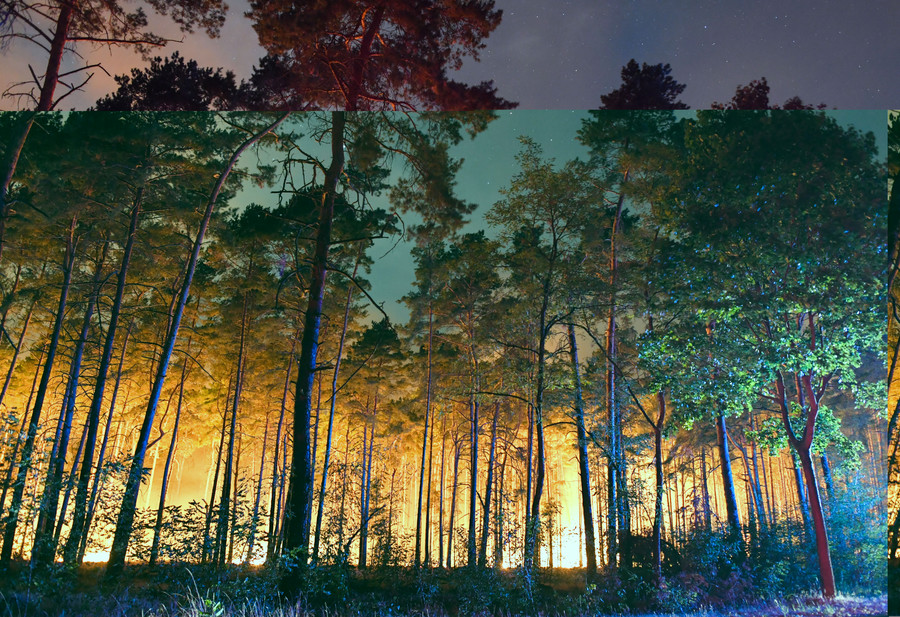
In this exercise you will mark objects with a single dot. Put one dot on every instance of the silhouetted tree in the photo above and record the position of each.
(171, 84)
(645, 87)
(755, 95)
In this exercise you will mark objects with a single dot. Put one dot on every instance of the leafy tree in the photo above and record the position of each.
(801, 312)
(374, 54)
(645, 87)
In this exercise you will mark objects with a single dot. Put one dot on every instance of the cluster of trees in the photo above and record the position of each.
(697, 290)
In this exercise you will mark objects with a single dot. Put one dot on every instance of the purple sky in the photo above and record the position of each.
(565, 54)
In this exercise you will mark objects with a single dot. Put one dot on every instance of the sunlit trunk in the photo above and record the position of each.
(161, 508)
(44, 550)
(98, 474)
(451, 530)
(12, 517)
(254, 518)
(70, 483)
(485, 523)
(332, 401)
(583, 467)
(210, 548)
(418, 556)
(274, 502)
(78, 523)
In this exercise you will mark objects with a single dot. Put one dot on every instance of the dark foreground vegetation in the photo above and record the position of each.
(709, 575)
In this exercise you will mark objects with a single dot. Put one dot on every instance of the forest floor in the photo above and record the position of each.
(175, 591)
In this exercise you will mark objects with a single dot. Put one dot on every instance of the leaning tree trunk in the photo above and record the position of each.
(254, 518)
(133, 482)
(71, 549)
(731, 509)
(44, 548)
(25, 465)
(297, 520)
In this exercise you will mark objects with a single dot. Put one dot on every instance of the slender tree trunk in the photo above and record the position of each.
(208, 545)
(15, 358)
(254, 519)
(333, 400)
(133, 482)
(12, 457)
(12, 518)
(451, 529)
(70, 484)
(660, 488)
(297, 522)
(44, 550)
(731, 510)
(225, 500)
(161, 509)
(273, 504)
(74, 541)
(485, 523)
(440, 494)
(583, 468)
(428, 497)
(418, 556)
(471, 548)
(16, 145)
(98, 474)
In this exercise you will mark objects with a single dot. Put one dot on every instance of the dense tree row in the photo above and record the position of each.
(680, 334)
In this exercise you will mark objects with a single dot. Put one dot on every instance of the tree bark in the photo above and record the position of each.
(418, 554)
(297, 521)
(274, 503)
(583, 468)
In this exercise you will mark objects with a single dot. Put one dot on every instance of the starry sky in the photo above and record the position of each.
(565, 54)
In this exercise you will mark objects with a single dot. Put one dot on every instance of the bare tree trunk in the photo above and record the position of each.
(12, 518)
(334, 389)
(583, 469)
(485, 523)
(98, 474)
(160, 511)
(451, 529)
(78, 518)
(271, 553)
(44, 550)
(297, 522)
(210, 508)
(254, 519)
(418, 556)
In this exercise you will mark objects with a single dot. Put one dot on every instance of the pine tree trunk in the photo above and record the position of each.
(583, 465)
(451, 529)
(12, 517)
(297, 521)
(70, 484)
(208, 545)
(98, 474)
(161, 509)
(486, 517)
(12, 457)
(440, 494)
(471, 547)
(254, 519)
(274, 503)
(44, 548)
(225, 500)
(731, 510)
(129, 500)
(15, 147)
(71, 549)
(418, 553)
(333, 400)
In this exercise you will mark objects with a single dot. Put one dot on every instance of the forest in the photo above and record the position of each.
(647, 376)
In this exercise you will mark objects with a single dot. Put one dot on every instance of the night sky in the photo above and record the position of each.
(564, 55)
